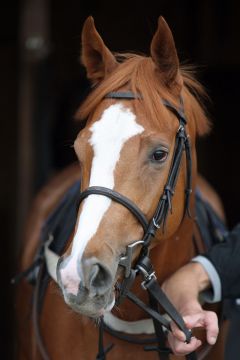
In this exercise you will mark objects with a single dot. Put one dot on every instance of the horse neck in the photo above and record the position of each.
(174, 252)
(167, 257)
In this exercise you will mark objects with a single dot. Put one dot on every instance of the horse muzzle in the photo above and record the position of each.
(87, 287)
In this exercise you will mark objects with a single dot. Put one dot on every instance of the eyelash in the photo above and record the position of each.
(159, 155)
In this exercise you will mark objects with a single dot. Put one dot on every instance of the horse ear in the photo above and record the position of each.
(96, 57)
(164, 55)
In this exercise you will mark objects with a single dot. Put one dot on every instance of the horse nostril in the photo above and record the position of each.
(99, 280)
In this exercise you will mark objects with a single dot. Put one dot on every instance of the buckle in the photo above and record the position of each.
(145, 281)
(157, 226)
(180, 128)
(147, 276)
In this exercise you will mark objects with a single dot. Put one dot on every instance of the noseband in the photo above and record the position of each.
(143, 264)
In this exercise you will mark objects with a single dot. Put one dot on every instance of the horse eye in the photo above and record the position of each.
(160, 155)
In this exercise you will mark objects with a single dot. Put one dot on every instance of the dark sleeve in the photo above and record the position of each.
(226, 259)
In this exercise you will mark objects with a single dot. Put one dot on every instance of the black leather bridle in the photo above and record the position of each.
(143, 264)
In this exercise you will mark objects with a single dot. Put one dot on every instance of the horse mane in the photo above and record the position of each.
(138, 73)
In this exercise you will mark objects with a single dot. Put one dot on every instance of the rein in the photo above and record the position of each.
(143, 264)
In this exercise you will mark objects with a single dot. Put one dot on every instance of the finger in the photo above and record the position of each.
(191, 321)
(195, 320)
(177, 332)
(212, 329)
(207, 320)
(180, 348)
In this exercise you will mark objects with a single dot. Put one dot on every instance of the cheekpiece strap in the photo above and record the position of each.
(129, 95)
(179, 112)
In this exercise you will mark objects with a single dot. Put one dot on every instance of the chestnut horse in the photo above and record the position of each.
(137, 109)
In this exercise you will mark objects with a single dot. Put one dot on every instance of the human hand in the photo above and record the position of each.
(183, 289)
(201, 318)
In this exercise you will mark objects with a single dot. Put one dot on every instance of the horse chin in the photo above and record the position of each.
(93, 307)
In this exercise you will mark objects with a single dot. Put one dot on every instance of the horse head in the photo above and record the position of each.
(127, 147)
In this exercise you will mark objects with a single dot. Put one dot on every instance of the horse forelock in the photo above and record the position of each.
(139, 74)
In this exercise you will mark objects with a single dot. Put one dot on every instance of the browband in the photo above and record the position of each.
(129, 95)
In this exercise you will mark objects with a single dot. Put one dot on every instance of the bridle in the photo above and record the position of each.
(164, 205)
(143, 264)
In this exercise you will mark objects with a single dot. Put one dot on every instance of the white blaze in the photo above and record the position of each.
(109, 134)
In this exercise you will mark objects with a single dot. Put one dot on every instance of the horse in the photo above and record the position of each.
(136, 201)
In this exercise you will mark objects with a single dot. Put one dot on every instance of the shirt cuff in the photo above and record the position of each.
(213, 295)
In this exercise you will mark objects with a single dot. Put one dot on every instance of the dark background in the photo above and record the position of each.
(42, 83)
